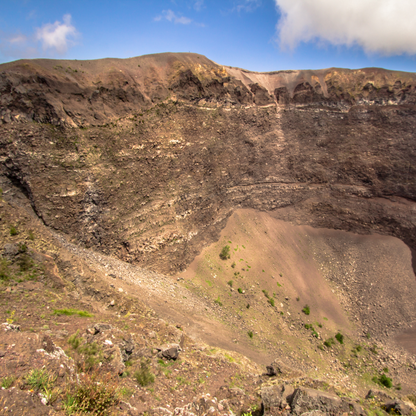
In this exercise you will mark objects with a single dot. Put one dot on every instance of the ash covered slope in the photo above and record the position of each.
(72, 93)
(146, 158)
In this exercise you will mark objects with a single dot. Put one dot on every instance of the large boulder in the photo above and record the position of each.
(276, 398)
(304, 400)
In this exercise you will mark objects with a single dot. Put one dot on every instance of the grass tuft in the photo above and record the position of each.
(7, 382)
(69, 312)
(144, 376)
(306, 310)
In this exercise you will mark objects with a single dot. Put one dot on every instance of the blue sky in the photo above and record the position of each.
(259, 35)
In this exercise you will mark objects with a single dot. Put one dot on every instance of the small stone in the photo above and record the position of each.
(10, 327)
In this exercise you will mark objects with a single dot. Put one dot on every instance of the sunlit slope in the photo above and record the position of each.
(270, 277)
(276, 269)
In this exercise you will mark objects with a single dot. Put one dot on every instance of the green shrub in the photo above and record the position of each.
(225, 253)
(230, 283)
(217, 301)
(339, 337)
(250, 334)
(329, 342)
(383, 380)
(306, 310)
(92, 396)
(240, 290)
(271, 301)
(143, 376)
(233, 265)
(248, 306)
(13, 230)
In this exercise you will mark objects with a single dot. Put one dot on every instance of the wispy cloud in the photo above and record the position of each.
(387, 27)
(53, 39)
(247, 5)
(171, 16)
(198, 5)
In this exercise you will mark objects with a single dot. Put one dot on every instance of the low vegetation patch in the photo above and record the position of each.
(306, 310)
(92, 395)
(314, 333)
(218, 302)
(69, 312)
(339, 337)
(225, 253)
(329, 342)
(144, 376)
(7, 382)
(40, 380)
(383, 380)
(88, 355)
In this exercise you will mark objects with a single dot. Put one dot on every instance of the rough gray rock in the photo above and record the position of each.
(378, 395)
(10, 251)
(276, 397)
(170, 351)
(97, 328)
(277, 368)
(398, 407)
(306, 400)
(126, 349)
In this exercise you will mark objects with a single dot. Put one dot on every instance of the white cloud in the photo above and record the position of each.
(50, 39)
(198, 5)
(387, 27)
(57, 37)
(171, 16)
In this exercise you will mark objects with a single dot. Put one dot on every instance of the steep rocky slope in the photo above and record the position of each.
(118, 173)
(146, 158)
